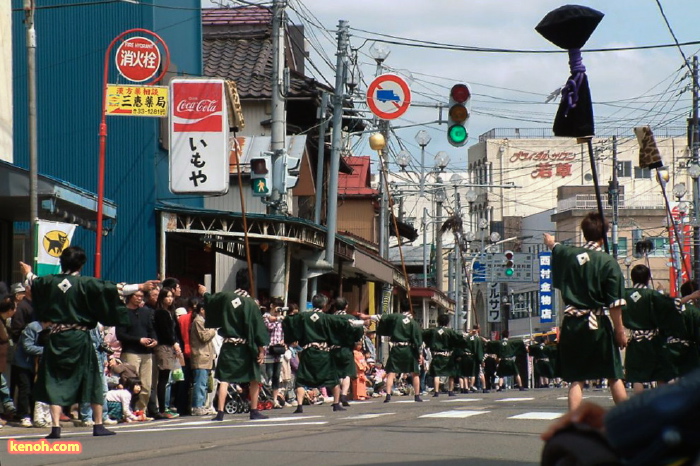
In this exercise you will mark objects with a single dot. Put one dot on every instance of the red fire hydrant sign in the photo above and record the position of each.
(138, 59)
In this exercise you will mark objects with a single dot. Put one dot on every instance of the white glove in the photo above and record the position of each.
(357, 323)
(375, 317)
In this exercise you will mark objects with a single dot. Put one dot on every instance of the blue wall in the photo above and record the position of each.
(71, 45)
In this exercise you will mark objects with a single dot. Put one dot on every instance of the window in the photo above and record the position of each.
(642, 172)
(624, 169)
(661, 247)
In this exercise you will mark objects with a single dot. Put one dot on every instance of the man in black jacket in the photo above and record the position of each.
(138, 340)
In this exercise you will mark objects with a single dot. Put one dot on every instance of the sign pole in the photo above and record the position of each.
(103, 136)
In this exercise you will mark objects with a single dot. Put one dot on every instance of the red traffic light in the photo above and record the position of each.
(258, 166)
(509, 255)
(460, 93)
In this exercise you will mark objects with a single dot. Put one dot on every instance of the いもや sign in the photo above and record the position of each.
(199, 147)
(388, 96)
(138, 59)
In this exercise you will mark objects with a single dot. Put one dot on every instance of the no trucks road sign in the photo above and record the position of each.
(388, 96)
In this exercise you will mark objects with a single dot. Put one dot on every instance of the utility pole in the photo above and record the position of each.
(337, 99)
(278, 133)
(694, 144)
(33, 134)
(614, 198)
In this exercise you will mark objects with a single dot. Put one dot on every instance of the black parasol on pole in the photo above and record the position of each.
(569, 27)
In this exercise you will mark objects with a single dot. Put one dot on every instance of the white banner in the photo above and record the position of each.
(51, 239)
(198, 127)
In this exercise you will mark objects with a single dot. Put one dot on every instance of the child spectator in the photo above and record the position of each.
(24, 364)
(119, 402)
(359, 383)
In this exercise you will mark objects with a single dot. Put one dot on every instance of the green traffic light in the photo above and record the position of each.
(457, 135)
(509, 272)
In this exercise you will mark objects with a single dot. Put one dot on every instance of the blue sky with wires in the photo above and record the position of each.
(629, 86)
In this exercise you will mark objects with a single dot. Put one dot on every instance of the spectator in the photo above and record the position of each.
(24, 365)
(368, 343)
(119, 402)
(7, 310)
(118, 371)
(101, 351)
(202, 359)
(359, 382)
(274, 352)
(168, 349)
(24, 313)
(184, 321)
(138, 340)
(109, 336)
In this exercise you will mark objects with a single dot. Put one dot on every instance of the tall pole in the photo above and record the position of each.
(438, 239)
(614, 193)
(33, 137)
(384, 201)
(425, 244)
(321, 156)
(337, 99)
(278, 133)
(694, 145)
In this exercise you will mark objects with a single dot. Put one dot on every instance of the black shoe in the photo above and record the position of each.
(338, 407)
(219, 416)
(485, 390)
(299, 410)
(451, 394)
(387, 399)
(55, 433)
(435, 395)
(98, 430)
(257, 415)
(523, 389)
(417, 399)
(344, 400)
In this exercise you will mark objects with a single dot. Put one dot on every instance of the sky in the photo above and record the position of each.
(629, 87)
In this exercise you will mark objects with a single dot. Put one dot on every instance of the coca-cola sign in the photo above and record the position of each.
(199, 147)
(198, 106)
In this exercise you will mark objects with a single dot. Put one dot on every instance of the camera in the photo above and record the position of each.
(283, 310)
(104, 347)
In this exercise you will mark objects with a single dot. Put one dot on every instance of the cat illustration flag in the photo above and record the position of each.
(51, 239)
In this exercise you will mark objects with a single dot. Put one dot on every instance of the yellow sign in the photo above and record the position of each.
(128, 100)
(55, 241)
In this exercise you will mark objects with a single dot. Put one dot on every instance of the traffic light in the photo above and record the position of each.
(286, 172)
(261, 174)
(509, 264)
(458, 114)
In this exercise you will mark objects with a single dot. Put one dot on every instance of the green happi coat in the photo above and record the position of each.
(506, 351)
(542, 363)
(649, 316)
(316, 332)
(237, 316)
(405, 338)
(442, 342)
(69, 372)
(469, 359)
(589, 280)
(342, 351)
(682, 341)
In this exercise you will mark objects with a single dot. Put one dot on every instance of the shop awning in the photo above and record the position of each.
(58, 200)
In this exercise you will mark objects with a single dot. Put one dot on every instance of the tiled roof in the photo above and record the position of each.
(358, 182)
(237, 45)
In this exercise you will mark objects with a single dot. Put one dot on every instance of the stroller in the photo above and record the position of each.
(265, 400)
(237, 400)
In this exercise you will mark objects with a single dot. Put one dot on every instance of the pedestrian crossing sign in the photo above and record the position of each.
(260, 187)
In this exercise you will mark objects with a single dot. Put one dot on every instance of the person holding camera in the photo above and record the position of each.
(138, 340)
(273, 353)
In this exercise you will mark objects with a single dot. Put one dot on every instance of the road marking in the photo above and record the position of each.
(516, 399)
(538, 416)
(407, 401)
(366, 416)
(462, 400)
(455, 414)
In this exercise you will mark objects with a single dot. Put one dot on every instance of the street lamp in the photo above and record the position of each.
(378, 143)
(423, 139)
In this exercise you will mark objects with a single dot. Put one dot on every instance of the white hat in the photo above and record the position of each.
(17, 288)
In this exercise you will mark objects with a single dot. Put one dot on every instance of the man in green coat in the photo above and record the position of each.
(683, 341)
(241, 325)
(317, 332)
(405, 340)
(69, 372)
(443, 342)
(589, 281)
(342, 354)
(650, 316)
(506, 351)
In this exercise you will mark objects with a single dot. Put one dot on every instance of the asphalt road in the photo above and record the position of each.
(477, 429)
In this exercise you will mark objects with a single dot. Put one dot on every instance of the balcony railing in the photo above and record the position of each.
(588, 202)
